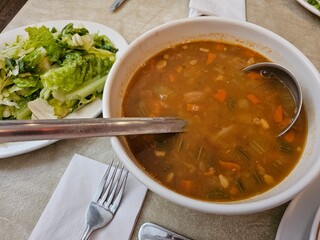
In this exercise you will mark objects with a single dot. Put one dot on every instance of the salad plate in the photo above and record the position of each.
(89, 111)
(308, 6)
(297, 220)
(315, 228)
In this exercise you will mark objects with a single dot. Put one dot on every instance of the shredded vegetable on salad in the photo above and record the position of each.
(51, 73)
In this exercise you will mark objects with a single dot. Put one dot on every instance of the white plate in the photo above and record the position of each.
(298, 218)
(309, 7)
(90, 111)
(314, 233)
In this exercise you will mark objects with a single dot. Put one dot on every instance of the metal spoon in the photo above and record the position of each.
(151, 231)
(29, 130)
(278, 72)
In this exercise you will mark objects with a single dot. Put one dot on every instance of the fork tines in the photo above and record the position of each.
(111, 187)
(107, 199)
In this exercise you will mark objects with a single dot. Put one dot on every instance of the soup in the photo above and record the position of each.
(230, 150)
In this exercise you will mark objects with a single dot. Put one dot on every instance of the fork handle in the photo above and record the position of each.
(87, 232)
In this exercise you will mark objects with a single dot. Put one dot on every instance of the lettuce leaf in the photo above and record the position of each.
(315, 3)
(42, 37)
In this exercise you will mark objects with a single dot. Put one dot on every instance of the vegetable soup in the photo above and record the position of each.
(230, 150)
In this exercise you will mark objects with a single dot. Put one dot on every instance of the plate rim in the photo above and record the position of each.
(308, 198)
(118, 40)
(309, 7)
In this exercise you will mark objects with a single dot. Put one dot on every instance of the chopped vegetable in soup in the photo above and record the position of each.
(230, 150)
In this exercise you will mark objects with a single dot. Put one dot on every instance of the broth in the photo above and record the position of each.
(230, 150)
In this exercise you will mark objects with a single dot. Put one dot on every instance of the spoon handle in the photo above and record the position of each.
(29, 130)
(151, 231)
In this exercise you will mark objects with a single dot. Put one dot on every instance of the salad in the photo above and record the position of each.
(51, 73)
(315, 3)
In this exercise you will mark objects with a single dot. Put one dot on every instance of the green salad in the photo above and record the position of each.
(315, 3)
(51, 73)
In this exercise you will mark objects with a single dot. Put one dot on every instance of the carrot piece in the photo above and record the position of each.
(278, 114)
(172, 78)
(229, 165)
(253, 75)
(187, 185)
(289, 136)
(221, 47)
(220, 95)
(234, 190)
(253, 98)
(211, 57)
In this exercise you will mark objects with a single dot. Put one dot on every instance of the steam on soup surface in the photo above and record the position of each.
(230, 150)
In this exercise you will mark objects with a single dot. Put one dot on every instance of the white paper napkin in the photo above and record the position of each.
(221, 8)
(64, 216)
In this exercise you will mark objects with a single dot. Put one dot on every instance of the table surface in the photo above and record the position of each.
(27, 181)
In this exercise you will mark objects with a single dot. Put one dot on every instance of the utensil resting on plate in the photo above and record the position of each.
(280, 73)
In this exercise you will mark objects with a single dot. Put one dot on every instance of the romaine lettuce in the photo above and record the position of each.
(315, 3)
(66, 69)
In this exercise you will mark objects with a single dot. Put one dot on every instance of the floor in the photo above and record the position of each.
(8, 9)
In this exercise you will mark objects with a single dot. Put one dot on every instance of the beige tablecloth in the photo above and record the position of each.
(28, 181)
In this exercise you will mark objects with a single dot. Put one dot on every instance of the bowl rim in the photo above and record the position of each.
(225, 208)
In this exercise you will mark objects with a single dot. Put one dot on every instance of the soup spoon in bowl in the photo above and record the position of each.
(280, 73)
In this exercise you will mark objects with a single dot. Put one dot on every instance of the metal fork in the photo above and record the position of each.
(107, 199)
